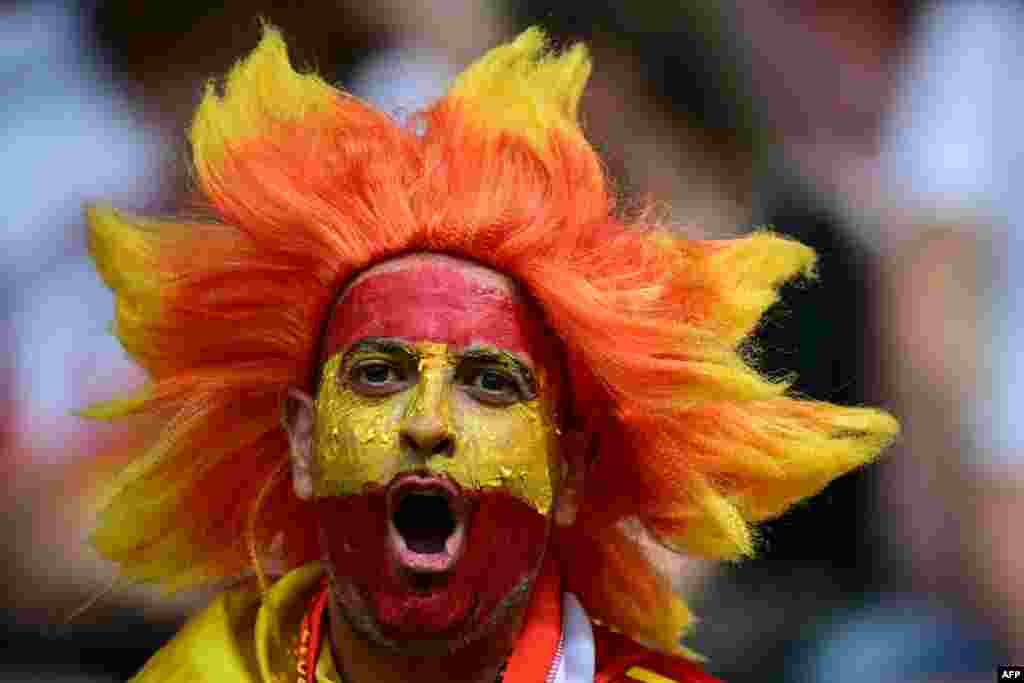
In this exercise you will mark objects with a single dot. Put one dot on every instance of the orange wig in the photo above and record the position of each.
(308, 186)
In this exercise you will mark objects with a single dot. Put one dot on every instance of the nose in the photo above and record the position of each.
(426, 436)
(426, 430)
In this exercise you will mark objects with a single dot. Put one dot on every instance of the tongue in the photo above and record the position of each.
(426, 542)
(425, 523)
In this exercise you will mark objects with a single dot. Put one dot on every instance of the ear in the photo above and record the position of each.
(575, 446)
(298, 415)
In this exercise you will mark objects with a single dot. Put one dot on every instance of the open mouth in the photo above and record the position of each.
(425, 524)
(424, 521)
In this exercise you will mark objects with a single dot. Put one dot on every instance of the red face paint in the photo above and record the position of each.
(355, 536)
(437, 298)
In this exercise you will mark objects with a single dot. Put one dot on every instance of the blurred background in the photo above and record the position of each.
(884, 135)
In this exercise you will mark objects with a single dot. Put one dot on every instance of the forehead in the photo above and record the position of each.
(438, 298)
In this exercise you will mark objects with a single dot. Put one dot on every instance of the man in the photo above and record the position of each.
(428, 374)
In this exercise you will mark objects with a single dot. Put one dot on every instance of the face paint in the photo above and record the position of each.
(489, 575)
(442, 299)
(436, 460)
(489, 405)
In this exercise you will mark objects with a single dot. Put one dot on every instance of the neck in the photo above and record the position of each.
(360, 660)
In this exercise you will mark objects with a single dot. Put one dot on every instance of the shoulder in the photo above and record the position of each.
(620, 660)
(216, 644)
(239, 638)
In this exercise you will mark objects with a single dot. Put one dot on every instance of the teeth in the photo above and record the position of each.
(405, 492)
(431, 492)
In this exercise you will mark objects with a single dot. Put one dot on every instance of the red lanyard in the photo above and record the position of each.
(311, 636)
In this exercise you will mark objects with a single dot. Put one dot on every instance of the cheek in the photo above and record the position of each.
(356, 439)
(511, 448)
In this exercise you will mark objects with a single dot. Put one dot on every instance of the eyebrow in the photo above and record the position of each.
(385, 345)
(491, 354)
(482, 353)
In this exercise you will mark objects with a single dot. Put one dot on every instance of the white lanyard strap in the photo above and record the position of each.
(576, 664)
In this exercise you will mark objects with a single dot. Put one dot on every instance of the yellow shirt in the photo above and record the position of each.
(243, 638)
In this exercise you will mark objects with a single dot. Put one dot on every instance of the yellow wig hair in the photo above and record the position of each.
(309, 186)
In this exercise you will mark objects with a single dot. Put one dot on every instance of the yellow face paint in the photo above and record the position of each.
(380, 404)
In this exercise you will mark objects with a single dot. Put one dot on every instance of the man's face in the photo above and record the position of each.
(434, 457)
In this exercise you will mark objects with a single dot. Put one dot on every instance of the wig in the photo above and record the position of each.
(307, 186)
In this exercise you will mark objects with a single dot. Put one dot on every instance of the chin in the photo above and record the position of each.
(425, 566)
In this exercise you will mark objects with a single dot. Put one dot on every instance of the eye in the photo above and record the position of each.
(376, 377)
(377, 373)
(492, 385)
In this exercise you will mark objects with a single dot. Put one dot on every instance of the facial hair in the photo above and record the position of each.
(505, 542)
